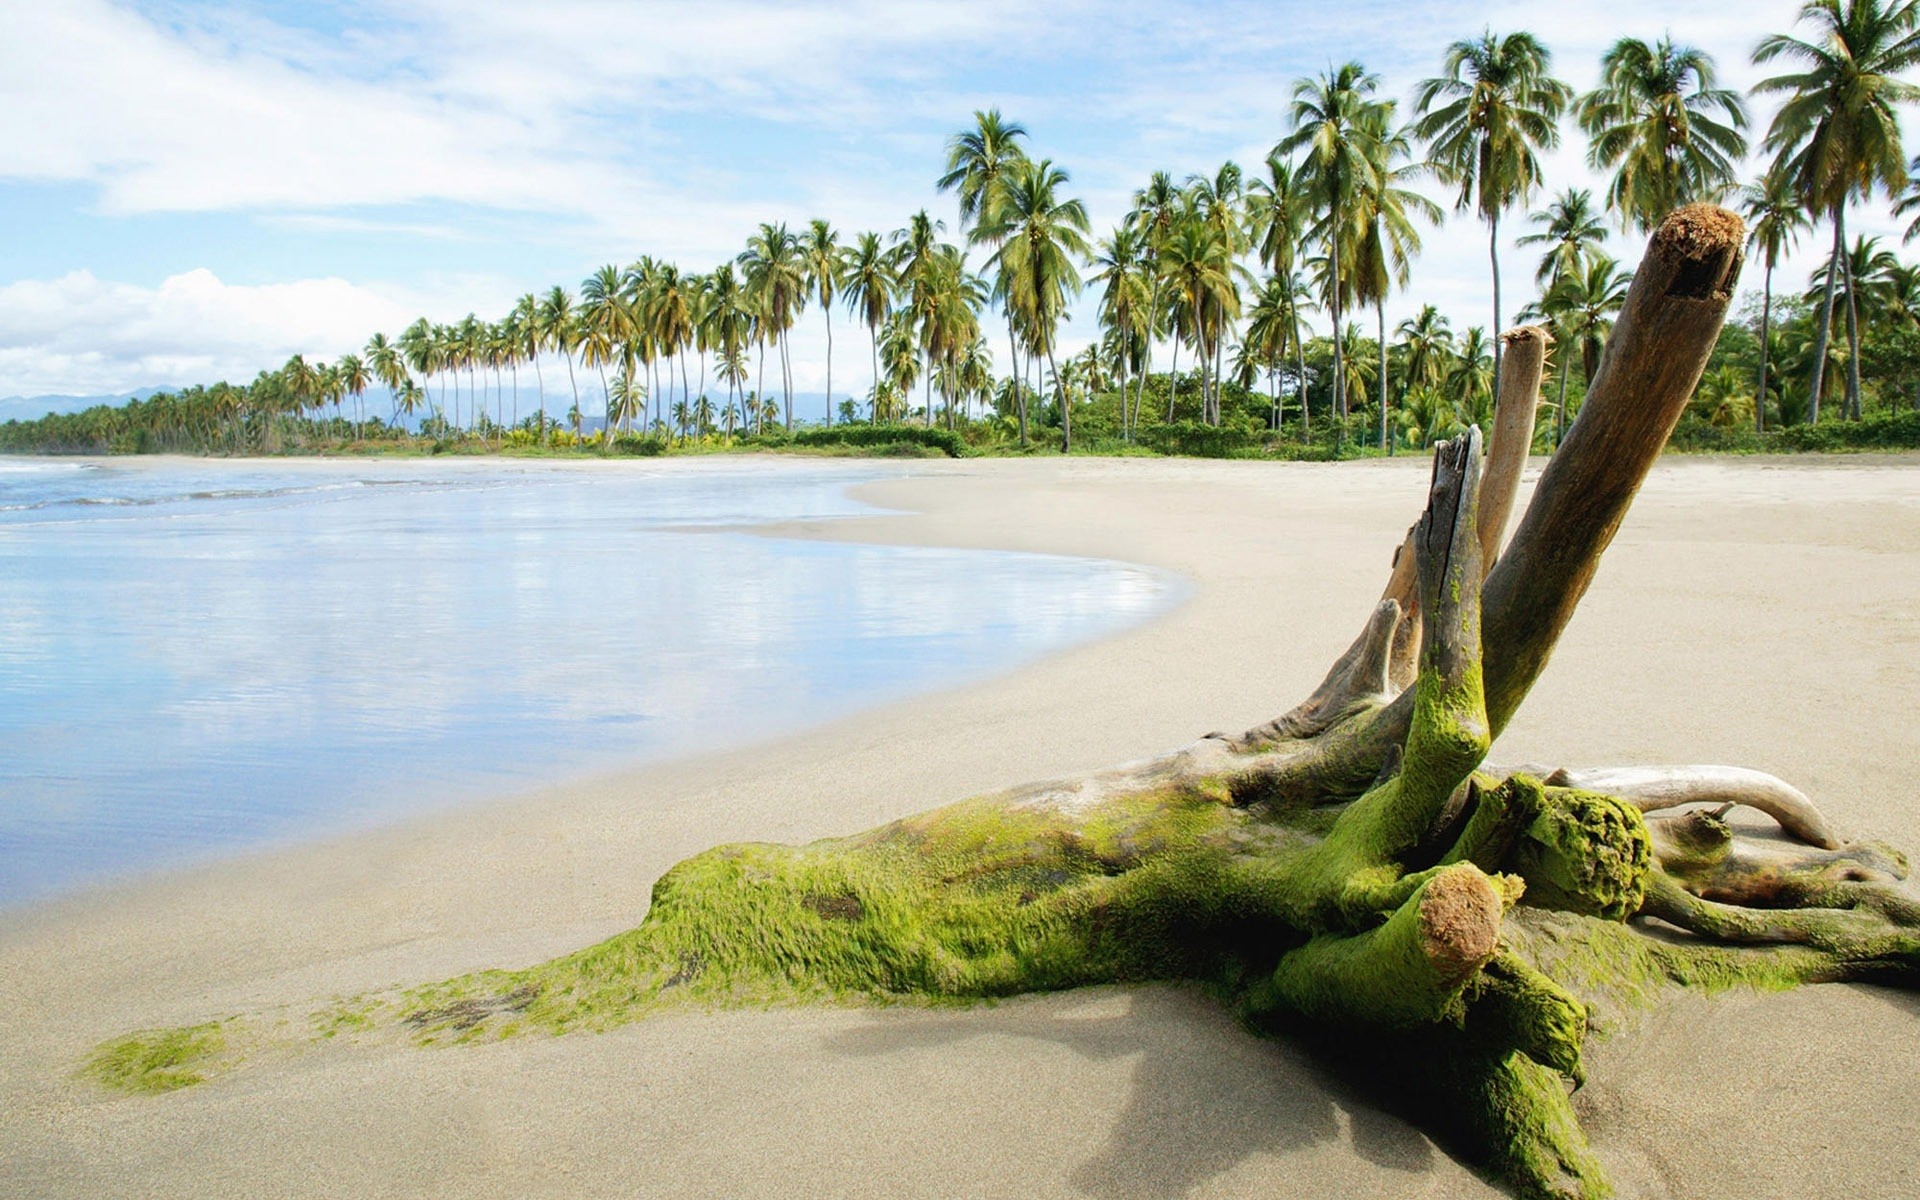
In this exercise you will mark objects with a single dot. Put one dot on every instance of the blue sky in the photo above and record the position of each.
(194, 191)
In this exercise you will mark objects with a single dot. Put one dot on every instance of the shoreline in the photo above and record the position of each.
(1742, 616)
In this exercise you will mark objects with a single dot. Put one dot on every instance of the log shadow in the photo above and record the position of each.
(1204, 1094)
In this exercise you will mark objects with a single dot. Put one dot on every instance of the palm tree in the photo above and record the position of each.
(557, 328)
(1669, 135)
(1837, 135)
(776, 275)
(1383, 255)
(388, 367)
(1331, 124)
(1866, 274)
(1041, 235)
(532, 339)
(354, 381)
(1775, 219)
(1570, 230)
(979, 162)
(820, 250)
(1426, 344)
(1125, 301)
(1585, 305)
(867, 273)
(1279, 209)
(1155, 209)
(421, 349)
(604, 321)
(1485, 121)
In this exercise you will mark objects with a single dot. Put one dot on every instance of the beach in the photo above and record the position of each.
(1756, 612)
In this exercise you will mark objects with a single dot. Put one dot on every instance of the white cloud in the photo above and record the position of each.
(81, 335)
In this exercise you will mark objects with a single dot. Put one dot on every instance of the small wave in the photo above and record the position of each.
(206, 494)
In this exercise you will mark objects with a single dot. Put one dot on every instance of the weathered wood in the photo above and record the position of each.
(1666, 330)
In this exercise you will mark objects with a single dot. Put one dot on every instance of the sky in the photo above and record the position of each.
(195, 191)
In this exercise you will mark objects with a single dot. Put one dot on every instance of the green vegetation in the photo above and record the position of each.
(158, 1060)
(1224, 271)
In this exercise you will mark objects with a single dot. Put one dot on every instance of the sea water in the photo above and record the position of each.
(198, 657)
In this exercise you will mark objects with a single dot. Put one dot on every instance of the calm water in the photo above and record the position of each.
(202, 657)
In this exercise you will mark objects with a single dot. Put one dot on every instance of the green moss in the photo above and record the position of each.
(156, 1060)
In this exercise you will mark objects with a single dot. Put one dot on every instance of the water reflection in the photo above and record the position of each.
(197, 657)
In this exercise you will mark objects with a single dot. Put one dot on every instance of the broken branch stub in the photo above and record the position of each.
(1659, 346)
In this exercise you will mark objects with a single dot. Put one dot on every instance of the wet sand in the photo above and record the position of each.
(1757, 612)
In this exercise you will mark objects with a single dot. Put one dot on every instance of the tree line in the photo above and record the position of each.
(1226, 271)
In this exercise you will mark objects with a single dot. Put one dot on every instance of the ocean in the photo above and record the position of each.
(202, 657)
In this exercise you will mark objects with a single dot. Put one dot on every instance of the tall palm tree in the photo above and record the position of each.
(979, 161)
(820, 250)
(1837, 133)
(389, 367)
(604, 321)
(1383, 255)
(1125, 301)
(1333, 127)
(1585, 305)
(1279, 209)
(1570, 230)
(1485, 120)
(1155, 209)
(867, 272)
(557, 327)
(532, 340)
(1667, 133)
(1774, 220)
(917, 249)
(1042, 234)
(354, 381)
(1200, 281)
(1863, 281)
(776, 274)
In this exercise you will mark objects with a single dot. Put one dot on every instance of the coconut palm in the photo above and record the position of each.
(979, 162)
(1864, 273)
(604, 321)
(776, 275)
(1570, 230)
(1334, 130)
(1667, 133)
(531, 341)
(1775, 219)
(1279, 210)
(867, 274)
(1485, 120)
(1387, 242)
(1042, 234)
(820, 251)
(389, 367)
(1836, 135)
(557, 329)
(1126, 298)
(1155, 209)
(354, 381)
(1586, 304)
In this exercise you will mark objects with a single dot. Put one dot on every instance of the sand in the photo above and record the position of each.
(1757, 612)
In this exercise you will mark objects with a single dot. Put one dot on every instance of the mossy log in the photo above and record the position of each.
(1352, 869)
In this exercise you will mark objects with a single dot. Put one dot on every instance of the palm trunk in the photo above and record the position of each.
(826, 310)
(683, 379)
(760, 389)
(1066, 407)
(1300, 382)
(1339, 356)
(1560, 405)
(1825, 327)
(873, 403)
(1853, 344)
(1173, 377)
(1380, 310)
(1019, 385)
(786, 381)
(1493, 253)
(1766, 319)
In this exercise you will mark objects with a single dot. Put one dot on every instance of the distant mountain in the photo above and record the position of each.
(32, 408)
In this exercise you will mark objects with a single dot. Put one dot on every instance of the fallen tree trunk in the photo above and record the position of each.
(1351, 867)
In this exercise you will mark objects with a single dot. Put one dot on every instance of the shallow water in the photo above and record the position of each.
(200, 657)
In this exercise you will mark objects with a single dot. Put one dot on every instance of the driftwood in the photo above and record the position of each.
(1350, 871)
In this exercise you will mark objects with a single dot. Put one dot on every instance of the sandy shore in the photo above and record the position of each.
(1755, 612)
